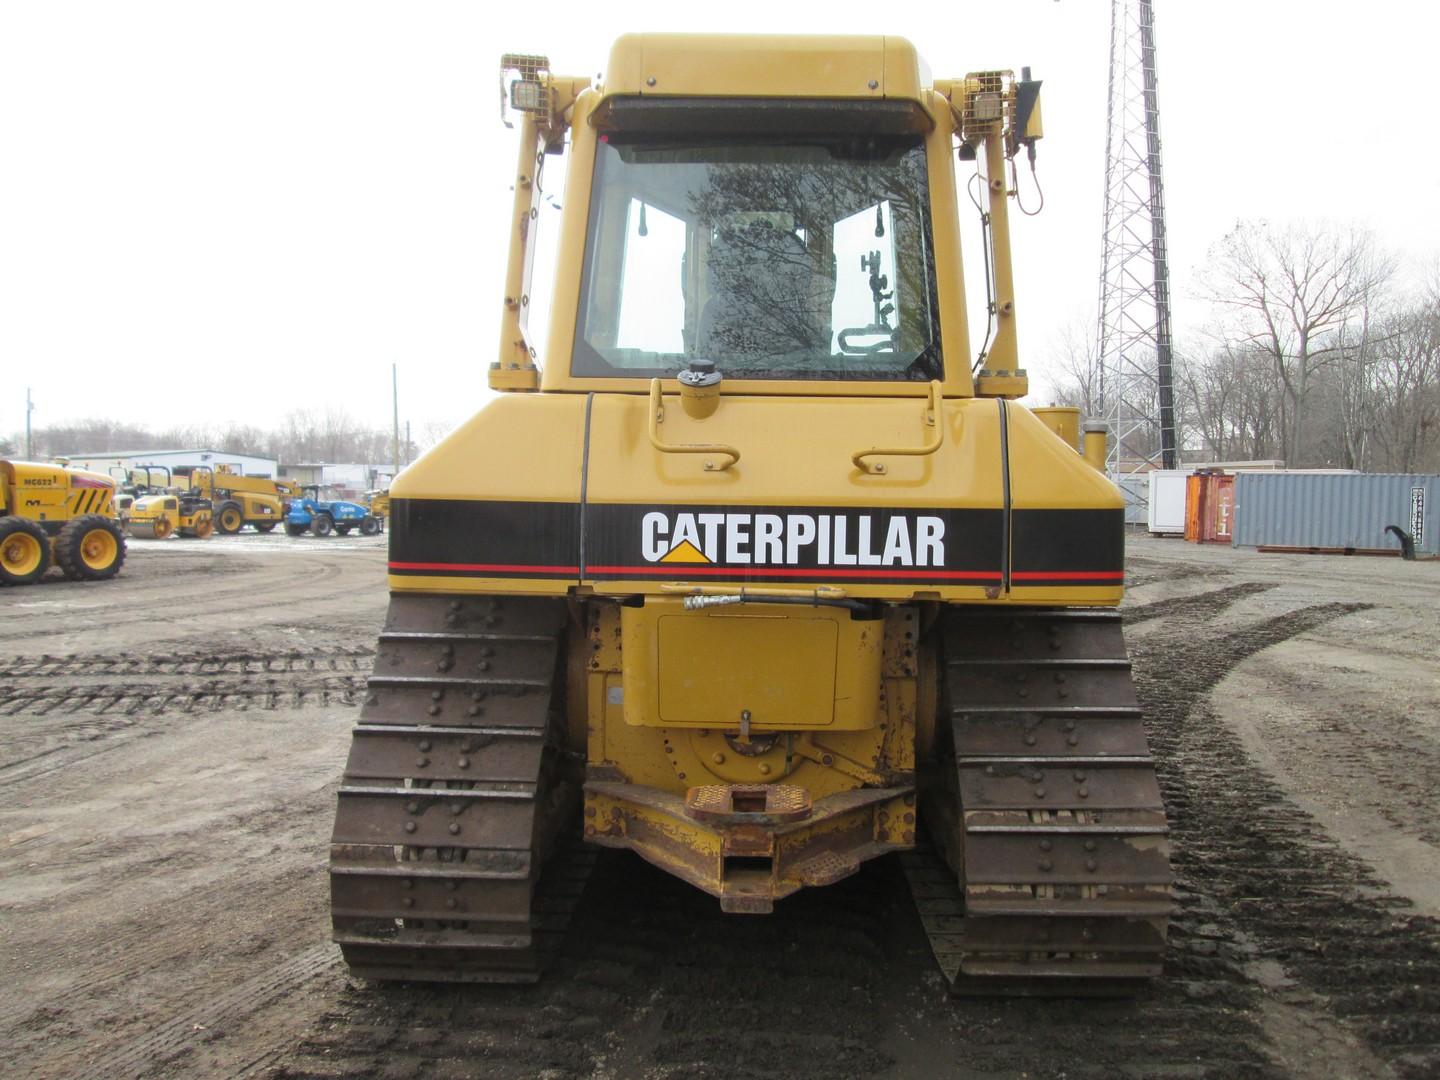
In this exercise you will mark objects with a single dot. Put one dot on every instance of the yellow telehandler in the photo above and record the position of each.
(243, 500)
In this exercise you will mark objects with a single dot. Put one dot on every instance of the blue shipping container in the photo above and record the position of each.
(1347, 510)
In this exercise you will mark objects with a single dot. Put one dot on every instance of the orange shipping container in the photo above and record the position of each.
(1209, 508)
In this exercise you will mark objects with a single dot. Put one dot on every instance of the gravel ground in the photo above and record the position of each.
(162, 899)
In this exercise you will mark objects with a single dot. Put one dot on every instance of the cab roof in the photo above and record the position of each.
(759, 65)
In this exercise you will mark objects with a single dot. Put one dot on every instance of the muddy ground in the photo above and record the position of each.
(170, 744)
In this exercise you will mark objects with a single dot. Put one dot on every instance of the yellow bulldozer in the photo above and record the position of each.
(52, 515)
(767, 573)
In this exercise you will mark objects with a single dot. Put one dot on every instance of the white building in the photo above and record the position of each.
(349, 481)
(111, 462)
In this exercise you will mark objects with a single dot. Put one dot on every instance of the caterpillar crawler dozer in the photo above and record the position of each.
(767, 573)
(53, 515)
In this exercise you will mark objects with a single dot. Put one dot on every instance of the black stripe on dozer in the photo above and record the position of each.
(468, 532)
(1066, 541)
(448, 536)
(1050, 870)
(454, 794)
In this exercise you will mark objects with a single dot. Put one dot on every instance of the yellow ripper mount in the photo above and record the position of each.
(777, 575)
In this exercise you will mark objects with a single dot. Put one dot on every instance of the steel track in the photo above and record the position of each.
(454, 793)
(1045, 806)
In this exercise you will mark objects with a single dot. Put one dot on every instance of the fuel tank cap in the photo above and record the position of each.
(701, 372)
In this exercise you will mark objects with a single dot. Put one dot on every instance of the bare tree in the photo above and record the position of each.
(331, 436)
(1291, 292)
(1406, 389)
(1075, 359)
(91, 436)
(1233, 402)
(241, 439)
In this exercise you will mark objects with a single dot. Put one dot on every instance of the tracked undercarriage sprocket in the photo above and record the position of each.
(455, 791)
(1045, 806)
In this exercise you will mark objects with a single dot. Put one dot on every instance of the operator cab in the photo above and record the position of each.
(803, 252)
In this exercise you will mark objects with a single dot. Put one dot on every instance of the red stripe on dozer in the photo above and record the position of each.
(682, 570)
(502, 568)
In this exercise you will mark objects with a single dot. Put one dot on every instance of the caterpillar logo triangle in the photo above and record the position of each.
(685, 552)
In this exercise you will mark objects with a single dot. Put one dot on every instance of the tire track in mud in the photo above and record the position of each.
(177, 1037)
(46, 751)
(192, 663)
(1380, 755)
(652, 979)
(1203, 604)
(130, 950)
(132, 983)
(655, 981)
(798, 993)
(1262, 879)
(137, 852)
(118, 696)
(153, 699)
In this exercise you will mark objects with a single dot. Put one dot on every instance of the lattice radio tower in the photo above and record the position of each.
(1136, 389)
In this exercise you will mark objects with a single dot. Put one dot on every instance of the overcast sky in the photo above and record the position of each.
(228, 211)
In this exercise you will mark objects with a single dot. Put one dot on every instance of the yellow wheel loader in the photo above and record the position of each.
(767, 573)
(51, 515)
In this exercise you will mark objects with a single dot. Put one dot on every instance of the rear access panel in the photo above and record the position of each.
(766, 667)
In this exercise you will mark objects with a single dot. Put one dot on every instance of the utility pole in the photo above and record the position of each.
(29, 442)
(408, 443)
(395, 438)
